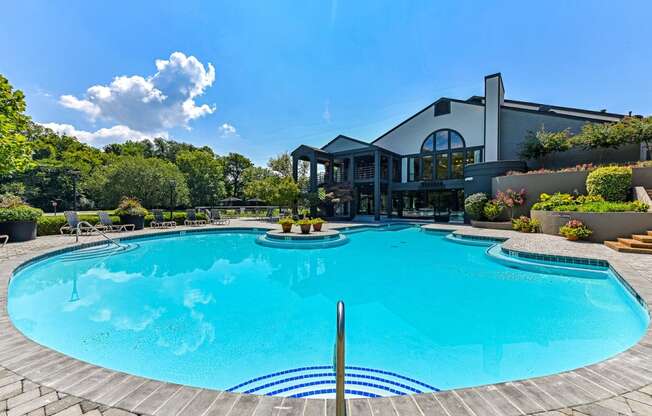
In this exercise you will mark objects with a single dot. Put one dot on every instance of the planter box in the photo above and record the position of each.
(137, 220)
(19, 230)
(605, 225)
(493, 225)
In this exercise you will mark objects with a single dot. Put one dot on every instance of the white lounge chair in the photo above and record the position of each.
(107, 224)
(191, 219)
(73, 224)
(159, 220)
(3, 240)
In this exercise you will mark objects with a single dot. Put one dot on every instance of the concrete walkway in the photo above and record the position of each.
(35, 380)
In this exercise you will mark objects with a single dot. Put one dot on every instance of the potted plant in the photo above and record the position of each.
(493, 209)
(18, 219)
(575, 230)
(286, 224)
(131, 211)
(526, 224)
(317, 223)
(305, 224)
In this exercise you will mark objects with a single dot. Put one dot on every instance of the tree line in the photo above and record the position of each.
(43, 167)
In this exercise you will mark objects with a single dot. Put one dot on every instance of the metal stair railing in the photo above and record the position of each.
(86, 224)
(338, 363)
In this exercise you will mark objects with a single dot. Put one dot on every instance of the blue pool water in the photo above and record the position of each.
(216, 309)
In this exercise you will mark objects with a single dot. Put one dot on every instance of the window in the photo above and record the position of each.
(414, 169)
(449, 152)
(442, 107)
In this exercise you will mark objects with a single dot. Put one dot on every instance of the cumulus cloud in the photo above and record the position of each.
(227, 130)
(145, 105)
(101, 137)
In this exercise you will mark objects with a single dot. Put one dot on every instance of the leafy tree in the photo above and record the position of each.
(281, 165)
(204, 175)
(151, 180)
(169, 149)
(598, 136)
(635, 130)
(541, 143)
(274, 190)
(15, 150)
(143, 148)
(235, 166)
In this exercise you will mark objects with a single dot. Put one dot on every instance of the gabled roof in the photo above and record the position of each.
(346, 139)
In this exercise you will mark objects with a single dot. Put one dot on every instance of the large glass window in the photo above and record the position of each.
(450, 156)
(414, 169)
(427, 168)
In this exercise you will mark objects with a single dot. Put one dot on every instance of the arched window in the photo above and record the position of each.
(443, 156)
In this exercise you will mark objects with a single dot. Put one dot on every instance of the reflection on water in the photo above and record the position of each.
(213, 310)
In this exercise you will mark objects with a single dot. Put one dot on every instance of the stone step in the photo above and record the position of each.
(649, 233)
(634, 243)
(644, 238)
(620, 247)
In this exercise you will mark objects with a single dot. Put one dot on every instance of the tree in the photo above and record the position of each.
(15, 150)
(538, 145)
(169, 149)
(274, 190)
(234, 167)
(151, 180)
(634, 130)
(143, 148)
(281, 165)
(204, 175)
(598, 136)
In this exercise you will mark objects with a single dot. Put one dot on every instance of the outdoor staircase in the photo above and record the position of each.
(639, 243)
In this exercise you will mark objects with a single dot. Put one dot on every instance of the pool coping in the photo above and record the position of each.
(613, 378)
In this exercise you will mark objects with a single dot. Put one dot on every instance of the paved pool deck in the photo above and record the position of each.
(35, 380)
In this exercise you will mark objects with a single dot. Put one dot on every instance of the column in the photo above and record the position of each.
(390, 182)
(295, 169)
(313, 181)
(377, 185)
(351, 170)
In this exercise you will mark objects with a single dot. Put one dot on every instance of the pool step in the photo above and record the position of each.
(624, 248)
(319, 382)
(96, 252)
(647, 238)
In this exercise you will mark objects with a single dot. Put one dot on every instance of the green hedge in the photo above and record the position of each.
(612, 183)
(605, 206)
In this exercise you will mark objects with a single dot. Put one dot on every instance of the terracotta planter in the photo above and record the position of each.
(317, 226)
(286, 227)
(305, 228)
(19, 230)
(137, 220)
(572, 238)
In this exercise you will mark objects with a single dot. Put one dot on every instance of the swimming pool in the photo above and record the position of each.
(217, 310)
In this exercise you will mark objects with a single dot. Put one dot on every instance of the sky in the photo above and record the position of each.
(262, 77)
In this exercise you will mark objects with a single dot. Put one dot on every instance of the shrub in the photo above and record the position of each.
(317, 221)
(612, 183)
(303, 221)
(605, 206)
(526, 225)
(474, 205)
(549, 202)
(286, 220)
(493, 209)
(12, 208)
(575, 229)
(511, 199)
(130, 206)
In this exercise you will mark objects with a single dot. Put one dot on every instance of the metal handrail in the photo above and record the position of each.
(93, 228)
(340, 405)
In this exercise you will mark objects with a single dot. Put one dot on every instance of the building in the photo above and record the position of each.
(423, 167)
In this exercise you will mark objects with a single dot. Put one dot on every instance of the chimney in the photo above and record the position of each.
(494, 93)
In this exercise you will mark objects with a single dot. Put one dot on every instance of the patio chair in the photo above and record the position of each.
(270, 217)
(159, 220)
(107, 223)
(191, 218)
(216, 217)
(73, 224)
(4, 239)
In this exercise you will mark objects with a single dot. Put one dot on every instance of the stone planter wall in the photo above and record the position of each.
(564, 182)
(605, 226)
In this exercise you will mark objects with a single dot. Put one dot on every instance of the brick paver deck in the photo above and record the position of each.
(35, 380)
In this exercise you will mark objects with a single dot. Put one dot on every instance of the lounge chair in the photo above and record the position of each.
(159, 220)
(191, 218)
(4, 239)
(73, 224)
(107, 223)
(216, 217)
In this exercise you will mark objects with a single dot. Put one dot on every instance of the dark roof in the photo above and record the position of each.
(341, 136)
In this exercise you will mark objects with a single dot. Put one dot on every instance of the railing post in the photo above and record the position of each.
(340, 404)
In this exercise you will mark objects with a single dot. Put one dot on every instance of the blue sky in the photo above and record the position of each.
(289, 72)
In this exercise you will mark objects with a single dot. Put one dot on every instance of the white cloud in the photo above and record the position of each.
(227, 130)
(144, 106)
(101, 137)
(326, 115)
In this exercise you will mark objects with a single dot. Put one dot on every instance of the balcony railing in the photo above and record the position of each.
(364, 172)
